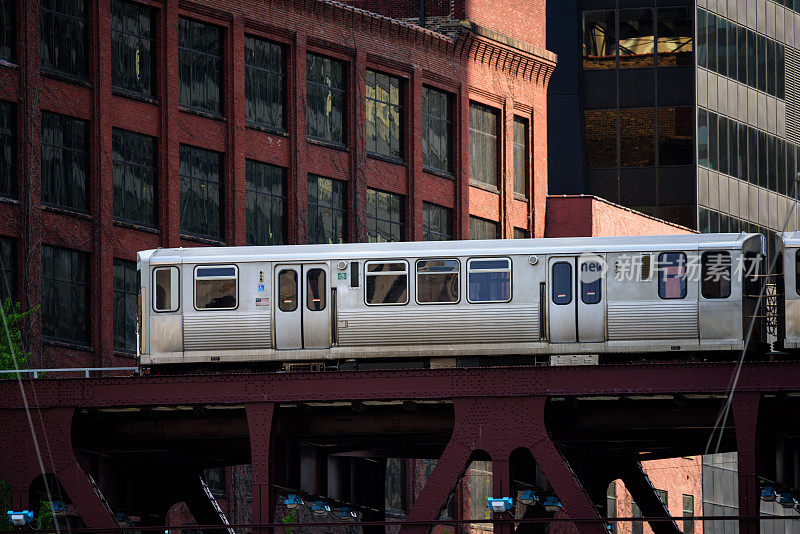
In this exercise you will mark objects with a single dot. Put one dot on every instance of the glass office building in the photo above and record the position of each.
(687, 111)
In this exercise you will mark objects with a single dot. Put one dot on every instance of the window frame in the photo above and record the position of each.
(510, 271)
(428, 118)
(218, 277)
(334, 93)
(128, 137)
(387, 273)
(260, 197)
(67, 154)
(488, 139)
(378, 103)
(661, 276)
(124, 293)
(194, 153)
(373, 218)
(320, 209)
(192, 53)
(79, 68)
(526, 155)
(296, 299)
(52, 277)
(553, 282)
(720, 282)
(417, 284)
(177, 291)
(116, 32)
(267, 72)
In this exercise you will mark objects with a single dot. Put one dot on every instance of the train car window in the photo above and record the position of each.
(716, 275)
(287, 290)
(315, 290)
(165, 289)
(437, 281)
(591, 282)
(562, 282)
(672, 275)
(215, 288)
(387, 283)
(489, 280)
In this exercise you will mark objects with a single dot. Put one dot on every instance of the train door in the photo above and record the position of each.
(576, 309)
(302, 317)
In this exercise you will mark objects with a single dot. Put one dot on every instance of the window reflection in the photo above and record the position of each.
(637, 137)
(599, 40)
(636, 40)
(675, 136)
(675, 42)
(600, 131)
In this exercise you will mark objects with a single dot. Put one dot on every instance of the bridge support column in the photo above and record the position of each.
(259, 422)
(498, 426)
(745, 418)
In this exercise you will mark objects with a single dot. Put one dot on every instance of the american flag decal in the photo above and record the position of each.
(262, 302)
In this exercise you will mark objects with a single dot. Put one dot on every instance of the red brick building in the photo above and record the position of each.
(156, 123)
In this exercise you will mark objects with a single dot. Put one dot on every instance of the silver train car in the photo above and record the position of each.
(788, 290)
(440, 301)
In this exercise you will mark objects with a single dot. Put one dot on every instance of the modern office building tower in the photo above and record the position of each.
(688, 111)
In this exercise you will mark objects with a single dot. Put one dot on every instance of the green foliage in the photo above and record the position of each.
(45, 517)
(289, 518)
(14, 318)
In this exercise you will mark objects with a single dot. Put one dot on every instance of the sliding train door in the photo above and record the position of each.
(302, 314)
(576, 308)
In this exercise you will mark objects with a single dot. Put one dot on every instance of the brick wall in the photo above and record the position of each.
(587, 216)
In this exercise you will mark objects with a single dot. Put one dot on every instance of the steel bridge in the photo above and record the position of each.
(138, 442)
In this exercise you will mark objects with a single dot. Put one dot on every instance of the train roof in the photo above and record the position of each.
(791, 239)
(490, 247)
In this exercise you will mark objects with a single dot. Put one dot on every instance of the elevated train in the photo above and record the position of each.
(446, 303)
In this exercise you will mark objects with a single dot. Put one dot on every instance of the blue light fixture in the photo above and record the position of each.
(527, 497)
(551, 503)
(20, 519)
(320, 508)
(768, 494)
(345, 513)
(787, 500)
(502, 504)
(292, 501)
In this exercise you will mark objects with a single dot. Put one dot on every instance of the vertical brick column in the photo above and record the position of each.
(538, 196)
(413, 137)
(298, 180)
(461, 163)
(236, 220)
(31, 187)
(101, 174)
(506, 185)
(169, 185)
(358, 149)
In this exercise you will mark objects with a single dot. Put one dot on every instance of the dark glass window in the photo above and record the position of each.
(125, 295)
(7, 150)
(716, 273)
(771, 70)
(723, 144)
(437, 281)
(733, 148)
(711, 33)
(489, 280)
(702, 138)
(772, 170)
(200, 58)
(761, 62)
(742, 155)
(395, 488)
(315, 289)
(386, 283)
(325, 106)
(264, 83)
(65, 295)
(732, 50)
(521, 156)
(134, 177)
(64, 161)
(562, 282)
(637, 137)
(752, 63)
(637, 527)
(483, 229)
(599, 40)
(722, 46)
(600, 133)
(385, 216)
(8, 37)
(780, 70)
(437, 222)
(266, 203)
(672, 275)
(201, 182)
(780, 162)
(702, 39)
(7, 267)
(763, 155)
(132, 47)
(591, 282)
(63, 37)
(741, 54)
(326, 210)
(675, 36)
(521, 233)
(752, 151)
(676, 136)
(287, 290)
(482, 144)
(713, 147)
(215, 288)
(636, 38)
(688, 514)
(436, 126)
(384, 115)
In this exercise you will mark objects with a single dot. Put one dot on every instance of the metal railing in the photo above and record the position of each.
(84, 370)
